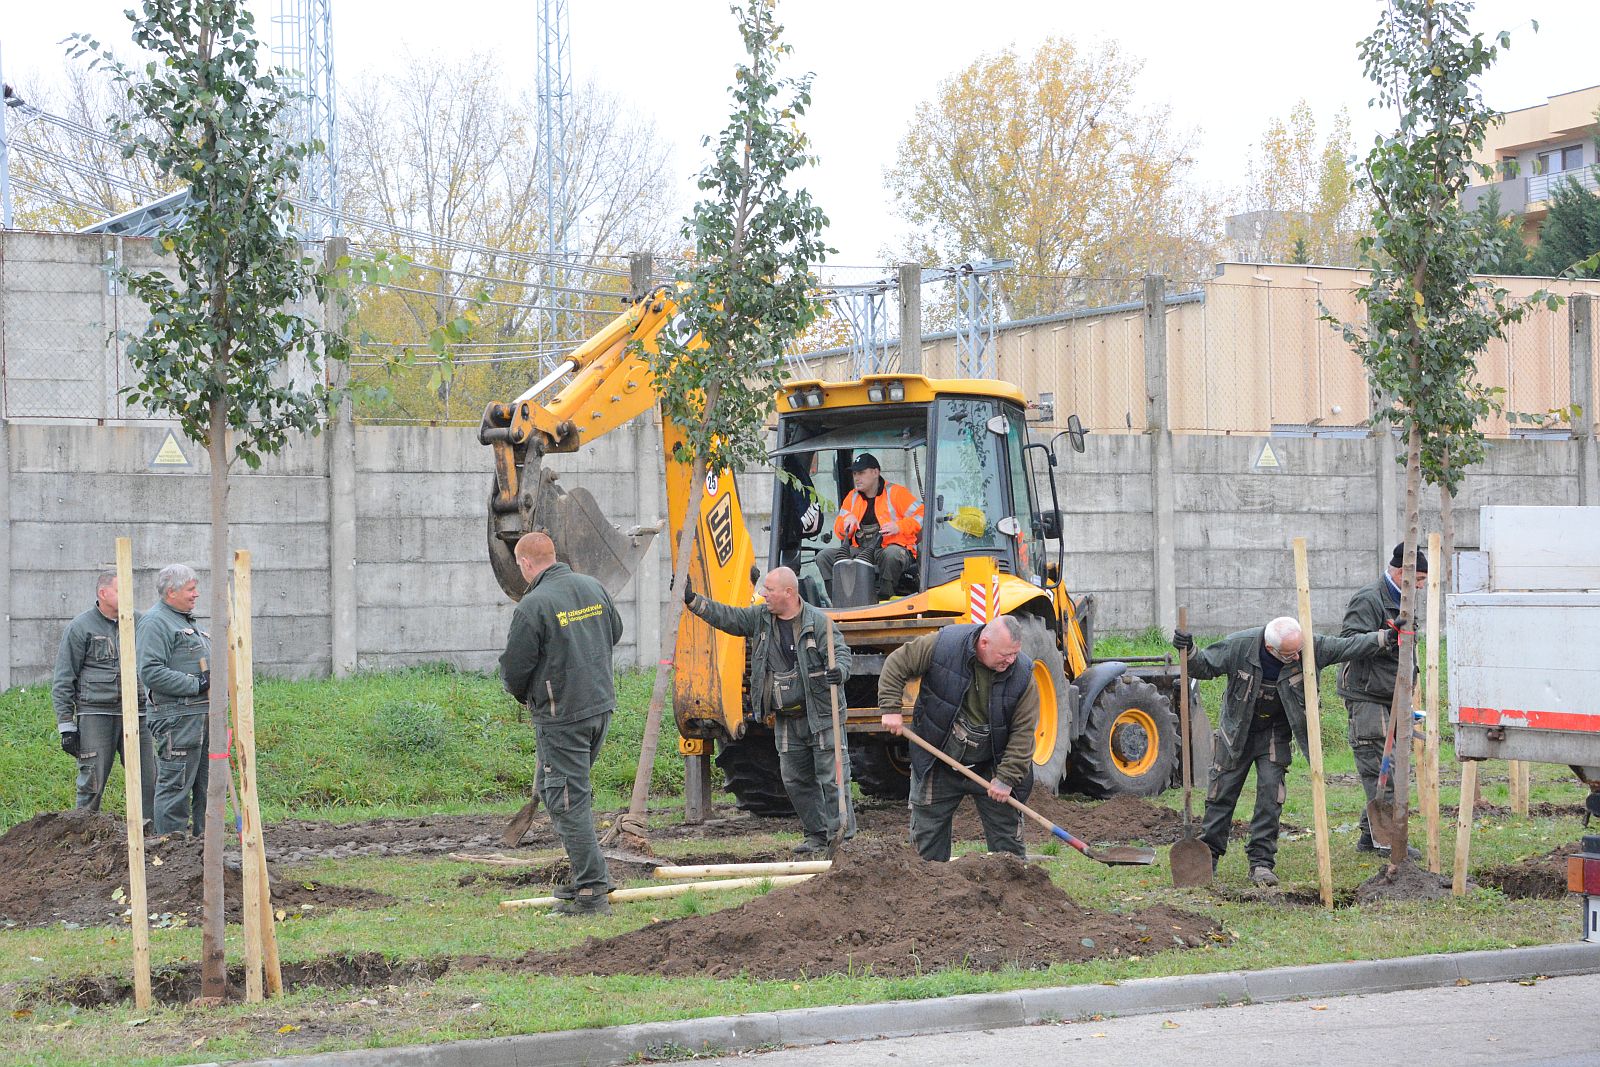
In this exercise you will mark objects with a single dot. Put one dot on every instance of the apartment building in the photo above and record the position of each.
(1534, 148)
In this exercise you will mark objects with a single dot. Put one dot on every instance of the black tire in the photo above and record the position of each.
(881, 766)
(750, 769)
(1053, 739)
(1114, 755)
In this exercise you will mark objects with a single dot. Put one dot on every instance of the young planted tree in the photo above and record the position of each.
(749, 291)
(1427, 315)
(221, 341)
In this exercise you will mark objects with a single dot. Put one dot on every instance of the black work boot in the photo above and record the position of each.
(586, 902)
(810, 846)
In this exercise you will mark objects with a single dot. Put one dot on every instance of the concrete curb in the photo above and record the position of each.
(978, 1011)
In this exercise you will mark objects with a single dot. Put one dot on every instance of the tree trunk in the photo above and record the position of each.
(1400, 707)
(634, 823)
(213, 959)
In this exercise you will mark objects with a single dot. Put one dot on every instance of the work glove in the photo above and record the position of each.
(688, 592)
(1183, 640)
(1399, 627)
(204, 678)
(69, 742)
(833, 676)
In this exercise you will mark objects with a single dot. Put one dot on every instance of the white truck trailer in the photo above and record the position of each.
(1523, 641)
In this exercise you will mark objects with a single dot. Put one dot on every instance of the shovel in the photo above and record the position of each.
(838, 757)
(1121, 855)
(517, 829)
(1387, 822)
(1190, 858)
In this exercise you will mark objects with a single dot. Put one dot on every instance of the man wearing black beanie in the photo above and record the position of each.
(1367, 685)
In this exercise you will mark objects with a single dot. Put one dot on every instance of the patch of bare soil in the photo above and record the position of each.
(906, 917)
(1542, 810)
(70, 866)
(1409, 882)
(1535, 878)
(180, 984)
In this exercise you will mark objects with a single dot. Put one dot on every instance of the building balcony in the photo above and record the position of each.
(1540, 185)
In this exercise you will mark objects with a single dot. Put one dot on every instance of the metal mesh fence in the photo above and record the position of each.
(1247, 352)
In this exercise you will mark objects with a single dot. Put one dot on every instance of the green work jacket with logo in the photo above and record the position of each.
(557, 660)
(88, 677)
(1237, 657)
(759, 628)
(170, 648)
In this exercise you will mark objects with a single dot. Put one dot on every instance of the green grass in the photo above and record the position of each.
(439, 740)
(432, 739)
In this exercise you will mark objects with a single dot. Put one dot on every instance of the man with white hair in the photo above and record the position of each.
(1263, 713)
(978, 704)
(175, 668)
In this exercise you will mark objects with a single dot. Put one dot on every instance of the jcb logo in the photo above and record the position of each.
(720, 522)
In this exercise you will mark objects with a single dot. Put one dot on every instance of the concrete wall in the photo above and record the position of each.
(424, 592)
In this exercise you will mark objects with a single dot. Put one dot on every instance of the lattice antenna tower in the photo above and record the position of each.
(303, 46)
(554, 144)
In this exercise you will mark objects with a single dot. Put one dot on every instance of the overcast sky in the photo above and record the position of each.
(1225, 68)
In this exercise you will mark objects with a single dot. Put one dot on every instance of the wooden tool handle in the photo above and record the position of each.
(1013, 801)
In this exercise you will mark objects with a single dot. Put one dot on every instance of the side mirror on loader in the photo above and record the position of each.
(1050, 525)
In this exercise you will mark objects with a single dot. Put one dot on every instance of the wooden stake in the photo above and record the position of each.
(1430, 755)
(251, 877)
(727, 870)
(1469, 782)
(132, 777)
(649, 892)
(1519, 787)
(1308, 665)
(252, 843)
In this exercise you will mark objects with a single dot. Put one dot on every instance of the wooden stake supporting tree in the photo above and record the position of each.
(261, 943)
(1517, 772)
(133, 772)
(1430, 758)
(1469, 784)
(1308, 665)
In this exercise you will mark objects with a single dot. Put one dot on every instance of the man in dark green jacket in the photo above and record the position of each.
(978, 703)
(1263, 713)
(790, 683)
(174, 666)
(87, 693)
(557, 662)
(1367, 685)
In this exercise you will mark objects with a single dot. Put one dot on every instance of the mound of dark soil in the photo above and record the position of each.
(1116, 821)
(882, 908)
(1410, 882)
(1536, 878)
(68, 866)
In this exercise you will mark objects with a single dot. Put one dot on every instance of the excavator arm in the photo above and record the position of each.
(605, 383)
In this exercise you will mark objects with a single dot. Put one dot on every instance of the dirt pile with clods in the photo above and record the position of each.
(1409, 881)
(884, 910)
(72, 867)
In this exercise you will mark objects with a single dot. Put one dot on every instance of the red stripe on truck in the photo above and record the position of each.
(1538, 720)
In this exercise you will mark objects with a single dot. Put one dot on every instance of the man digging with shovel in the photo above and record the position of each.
(1263, 714)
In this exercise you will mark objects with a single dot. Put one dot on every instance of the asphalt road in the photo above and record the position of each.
(1554, 1022)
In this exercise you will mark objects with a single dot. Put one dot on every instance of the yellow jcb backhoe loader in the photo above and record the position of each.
(961, 446)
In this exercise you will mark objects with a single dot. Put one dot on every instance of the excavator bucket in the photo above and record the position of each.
(583, 537)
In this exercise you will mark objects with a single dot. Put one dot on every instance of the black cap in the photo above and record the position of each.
(1397, 560)
(866, 462)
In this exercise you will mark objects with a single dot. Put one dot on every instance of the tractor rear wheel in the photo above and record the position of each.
(750, 769)
(1130, 744)
(881, 766)
(1052, 738)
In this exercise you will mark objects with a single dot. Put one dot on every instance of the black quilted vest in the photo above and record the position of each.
(945, 685)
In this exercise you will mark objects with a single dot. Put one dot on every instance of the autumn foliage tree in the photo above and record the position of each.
(1304, 188)
(1047, 159)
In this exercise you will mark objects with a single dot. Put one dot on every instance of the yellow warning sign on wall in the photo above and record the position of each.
(170, 455)
(1268, 459)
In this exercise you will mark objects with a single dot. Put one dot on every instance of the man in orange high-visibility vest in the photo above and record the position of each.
(879, 522)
